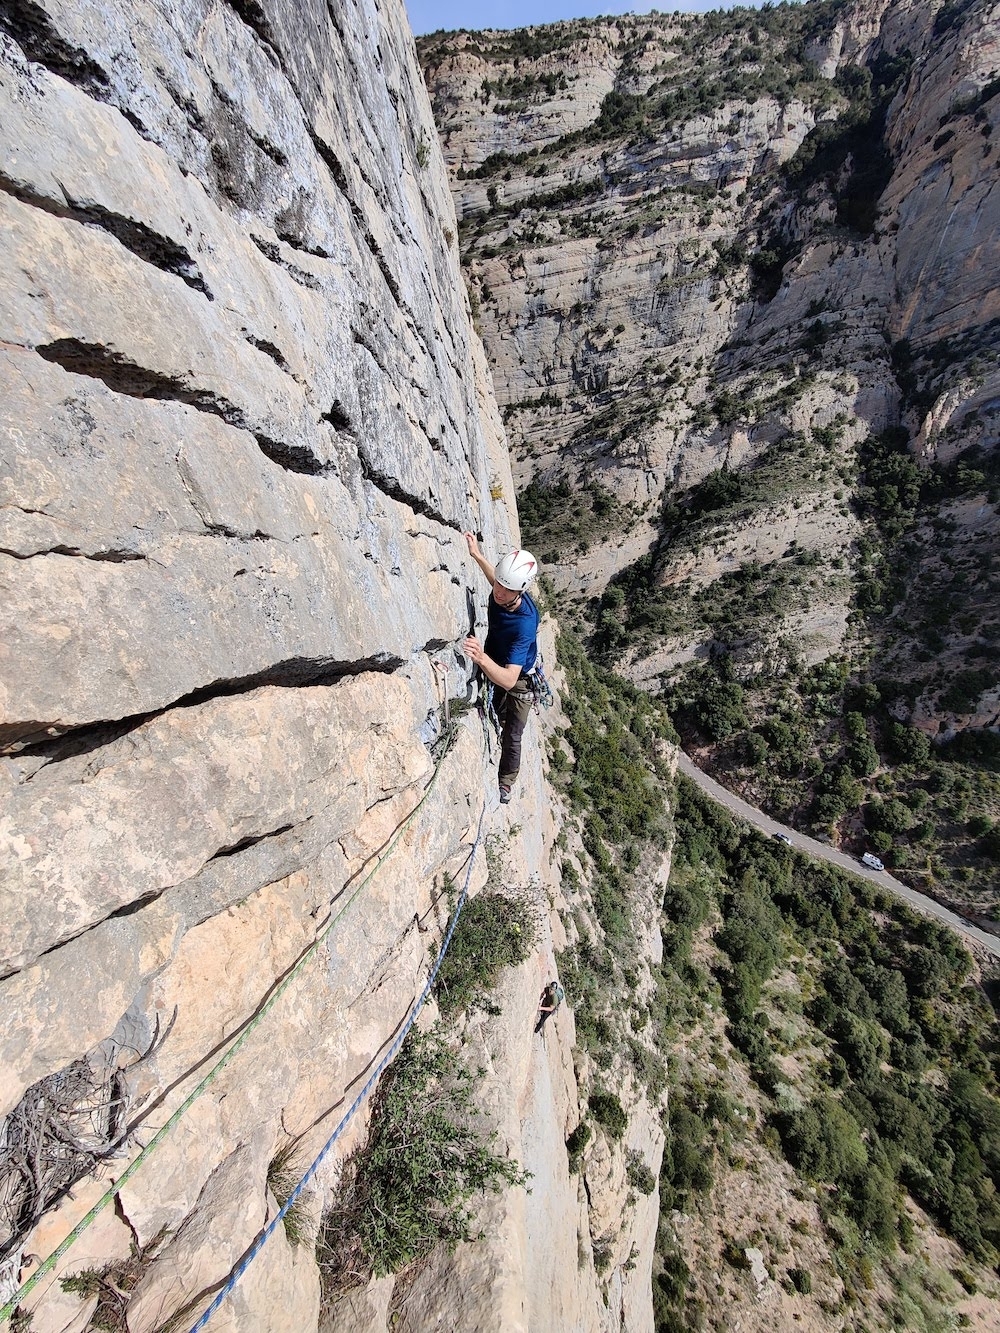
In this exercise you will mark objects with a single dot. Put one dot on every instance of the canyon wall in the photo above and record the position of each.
(740, 243)
(245, 422)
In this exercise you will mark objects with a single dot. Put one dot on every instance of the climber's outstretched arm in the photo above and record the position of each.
(477, 555)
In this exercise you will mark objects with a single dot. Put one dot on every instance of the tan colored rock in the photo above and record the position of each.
(203, 1250)
(53, 1014)
(244, 422)
(533, 1268)
(192, 808)
(108, 1239)
(943, 196)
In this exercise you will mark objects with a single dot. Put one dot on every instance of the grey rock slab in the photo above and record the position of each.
(195, 539)
(169, 221)
(71, 1000)
(98, 310)
(324, 1033)
(243, 420)
(323, 224)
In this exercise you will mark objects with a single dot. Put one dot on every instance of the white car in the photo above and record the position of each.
(872, 861)
(782, 837)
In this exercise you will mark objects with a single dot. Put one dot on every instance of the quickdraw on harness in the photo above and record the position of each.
(488, 712)
(539, 685)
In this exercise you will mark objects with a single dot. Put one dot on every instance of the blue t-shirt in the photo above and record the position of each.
(512, 635)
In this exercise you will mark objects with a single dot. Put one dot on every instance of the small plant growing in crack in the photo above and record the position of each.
(113, 1285)
(282, 1177)
(417, 1182)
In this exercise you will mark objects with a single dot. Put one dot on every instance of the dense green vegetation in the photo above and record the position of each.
(614, 730)
(874, 1056)
(614, 786)
(635, 608)
(755, 56)
(893, 1085)
(495, 930)
(830, 754)
(856, 137)
(560, 520)
(427, 1157)
(824, 747)
(887, 994)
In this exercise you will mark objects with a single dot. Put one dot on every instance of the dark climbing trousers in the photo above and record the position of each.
(543, 1019)
(513, 708)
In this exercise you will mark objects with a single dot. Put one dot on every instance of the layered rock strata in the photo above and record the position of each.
(660, 299)
(245, 421)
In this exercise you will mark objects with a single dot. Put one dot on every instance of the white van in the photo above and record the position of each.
(872, 861)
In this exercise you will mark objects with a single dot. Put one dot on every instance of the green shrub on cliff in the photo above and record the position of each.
(609, 1113)
(414, 1184)
(494, 931)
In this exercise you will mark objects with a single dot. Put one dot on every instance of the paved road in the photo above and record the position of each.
(823, 852)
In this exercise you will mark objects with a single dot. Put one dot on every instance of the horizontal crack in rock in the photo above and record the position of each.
(336, 170)
(269, 349)
(38, 38)
(112, 556)
(391, 487)
(142, 241)
(293, 457)
(270, 251)
(127, 377)
(65, 742)
(124, 376)
(251, 841)
(224, 530)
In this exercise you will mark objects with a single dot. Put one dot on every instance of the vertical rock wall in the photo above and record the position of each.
(244, 423)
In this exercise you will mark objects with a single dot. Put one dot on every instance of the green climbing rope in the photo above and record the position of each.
(115, 1189)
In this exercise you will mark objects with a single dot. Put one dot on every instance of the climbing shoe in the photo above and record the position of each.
(504, 794)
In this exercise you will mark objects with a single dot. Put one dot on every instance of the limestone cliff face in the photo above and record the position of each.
(688, 257)
(245, 421)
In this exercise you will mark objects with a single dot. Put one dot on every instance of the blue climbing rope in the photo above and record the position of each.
(269, 1230)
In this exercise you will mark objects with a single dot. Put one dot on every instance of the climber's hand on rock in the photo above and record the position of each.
(473, 649)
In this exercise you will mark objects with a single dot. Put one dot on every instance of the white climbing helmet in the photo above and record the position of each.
(517, 570)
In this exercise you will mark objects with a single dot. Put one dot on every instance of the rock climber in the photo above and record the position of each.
(509, 652)
(552, 997)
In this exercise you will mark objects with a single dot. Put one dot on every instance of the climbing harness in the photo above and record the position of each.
(390, 1054)
(253, 1022)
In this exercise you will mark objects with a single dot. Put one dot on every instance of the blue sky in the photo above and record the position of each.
(429, 15)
